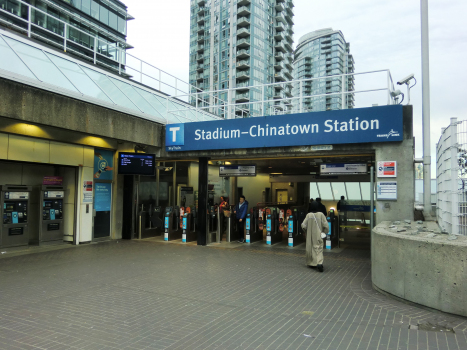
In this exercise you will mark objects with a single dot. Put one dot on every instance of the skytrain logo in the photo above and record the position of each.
(175, 136)
(390, 133)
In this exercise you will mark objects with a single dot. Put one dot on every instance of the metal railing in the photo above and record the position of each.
(36, 23)
(299, 101)
(451, 178)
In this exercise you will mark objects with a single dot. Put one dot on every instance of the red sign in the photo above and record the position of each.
(387, 169)
(53, 180)
(87, 186)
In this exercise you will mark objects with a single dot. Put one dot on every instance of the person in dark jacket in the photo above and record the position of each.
(240, 211)
(322, 207)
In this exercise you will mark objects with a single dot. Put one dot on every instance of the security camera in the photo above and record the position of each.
(396, 93)
(406, 79)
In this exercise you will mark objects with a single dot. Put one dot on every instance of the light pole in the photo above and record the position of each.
(426, 110)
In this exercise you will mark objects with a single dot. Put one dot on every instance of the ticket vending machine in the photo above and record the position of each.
(14, 204)
(51, 219)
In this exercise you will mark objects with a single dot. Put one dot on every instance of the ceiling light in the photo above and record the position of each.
(276, 173)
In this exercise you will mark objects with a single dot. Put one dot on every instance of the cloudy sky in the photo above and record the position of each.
(382, 35)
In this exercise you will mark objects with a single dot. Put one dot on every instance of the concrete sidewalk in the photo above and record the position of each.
(154, 295)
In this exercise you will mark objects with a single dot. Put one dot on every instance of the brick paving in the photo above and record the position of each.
(154, 295)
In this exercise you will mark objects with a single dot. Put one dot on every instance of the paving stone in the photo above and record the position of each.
(154, 295)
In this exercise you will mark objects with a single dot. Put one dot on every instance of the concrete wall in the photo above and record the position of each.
(421, 268)
(253, 188)
(29, 104)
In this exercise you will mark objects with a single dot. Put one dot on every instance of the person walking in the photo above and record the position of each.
(342, 208)
(240, 212)
(322, 207)
(315, 223)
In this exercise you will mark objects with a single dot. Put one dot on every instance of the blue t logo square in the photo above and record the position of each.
(175, 135)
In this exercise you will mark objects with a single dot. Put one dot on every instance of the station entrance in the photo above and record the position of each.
(277, 191)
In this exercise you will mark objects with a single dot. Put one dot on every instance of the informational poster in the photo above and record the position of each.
(87, 192)
(386, 190)
(103, 196)
(387, 168)
(103, 164)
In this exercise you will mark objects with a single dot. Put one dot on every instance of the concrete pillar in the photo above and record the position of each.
(403, 154)
(233, 190)
(202, 200)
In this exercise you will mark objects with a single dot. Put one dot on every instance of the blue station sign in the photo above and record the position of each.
(362, 125)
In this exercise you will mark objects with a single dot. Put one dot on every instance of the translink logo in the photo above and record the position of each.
(175, 135)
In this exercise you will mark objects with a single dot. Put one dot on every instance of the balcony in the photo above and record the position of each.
(200, 19)
(279, 56)
(279, 65)
(199, 77)
(201, 10)
(279, 26)
(279, 7)
(242, 97)
(280, 17)
(243, 22)
(288, 46)
(278, 36)
(288, 74)
(200, 48)
(279, 87)
(244, 86)
(200, 29)
(200, 38)
(243, 2)
(289, 35)
(243, 64)
(200, 67)
(201, 2)
(278, 95)
(279, 47)
(290, 3)
(243, 75)
(279, 77)
(243, 32)
(243, 53)
(288, 64)
(243, 11)
(243, 43)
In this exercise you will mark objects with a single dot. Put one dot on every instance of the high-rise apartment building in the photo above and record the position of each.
(323, 53)
(240, 44)
(91, 29)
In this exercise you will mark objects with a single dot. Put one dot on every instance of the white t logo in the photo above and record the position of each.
(174, 133)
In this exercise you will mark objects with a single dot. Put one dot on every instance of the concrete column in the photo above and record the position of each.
(233, 190)
(403, 153)
(202, 200)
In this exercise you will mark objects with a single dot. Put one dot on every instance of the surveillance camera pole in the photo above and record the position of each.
(426, 110)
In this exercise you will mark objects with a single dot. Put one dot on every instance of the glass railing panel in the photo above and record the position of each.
(135, 97)
(40, 64)
(79, 79)
(111, 90)
(11, 63)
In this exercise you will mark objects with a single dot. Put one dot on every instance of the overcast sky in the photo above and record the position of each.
(382, 35)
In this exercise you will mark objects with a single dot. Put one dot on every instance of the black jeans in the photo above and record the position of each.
(240, 230)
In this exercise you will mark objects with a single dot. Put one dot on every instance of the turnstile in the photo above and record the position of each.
(51, 226)
(14, 204)
(253, 233)
(273, 234)
(171, 227)
(188, 234)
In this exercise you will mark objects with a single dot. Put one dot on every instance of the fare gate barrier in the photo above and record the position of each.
(294, 221)
(171, 227)
(273, 234)
(253, 233)
(188, 235)
(51, 221)
(14, 203)
(332, 237)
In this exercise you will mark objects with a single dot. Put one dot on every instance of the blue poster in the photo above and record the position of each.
(102, 196)
(360, 125)
(103, 164)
